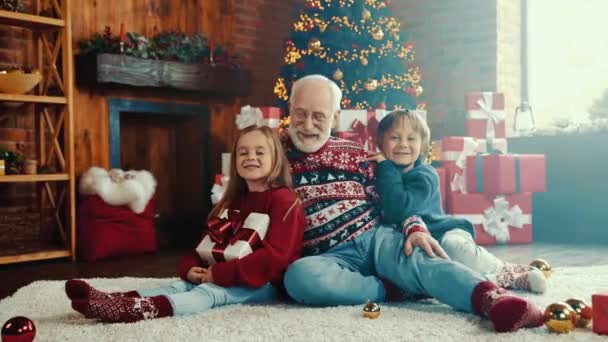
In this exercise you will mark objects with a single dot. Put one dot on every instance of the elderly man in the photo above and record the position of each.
(348, 252)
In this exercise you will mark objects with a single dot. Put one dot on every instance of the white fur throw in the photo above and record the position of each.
(117, 187)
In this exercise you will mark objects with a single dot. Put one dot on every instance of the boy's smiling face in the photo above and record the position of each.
(402, 143)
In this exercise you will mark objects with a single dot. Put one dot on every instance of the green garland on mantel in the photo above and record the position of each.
(167, 46)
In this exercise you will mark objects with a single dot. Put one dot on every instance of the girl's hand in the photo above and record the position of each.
(195, 275)
(375, 157)
(207, 276)
(426, 242)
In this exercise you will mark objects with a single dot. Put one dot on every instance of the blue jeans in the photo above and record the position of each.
(187, 298)
(348, 273)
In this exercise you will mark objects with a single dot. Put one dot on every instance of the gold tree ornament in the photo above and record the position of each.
(366, 14)
(338, 75)
(560, 318)
(322, 27)
(371, 310)
(419, 90)
(314, 44)
(371, 84)
(364, 61)
(377, 33)
(584, 312)
(543, 265)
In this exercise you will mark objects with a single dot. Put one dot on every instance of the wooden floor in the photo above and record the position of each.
(164, 264)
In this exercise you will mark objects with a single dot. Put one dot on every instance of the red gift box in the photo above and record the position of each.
(442, 173)
(485, 115)
(259, 116)
(599, 303)
(231, 237)
(495, 174)
(272, 116)
(501, 219)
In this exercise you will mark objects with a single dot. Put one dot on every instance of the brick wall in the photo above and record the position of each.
(462, 46)
(260, 28)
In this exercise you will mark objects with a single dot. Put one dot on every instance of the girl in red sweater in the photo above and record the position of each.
(259, 187)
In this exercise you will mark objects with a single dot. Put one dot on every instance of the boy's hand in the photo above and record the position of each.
(426, 242)
(375, 157)
(207, 275)
(195, 274)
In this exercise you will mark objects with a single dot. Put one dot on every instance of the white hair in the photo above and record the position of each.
(334, 90)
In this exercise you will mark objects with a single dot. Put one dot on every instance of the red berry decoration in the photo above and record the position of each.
(18, 329)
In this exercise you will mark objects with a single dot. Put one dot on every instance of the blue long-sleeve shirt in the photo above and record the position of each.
(415, 192)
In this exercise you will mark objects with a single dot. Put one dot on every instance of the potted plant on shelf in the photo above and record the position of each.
(13, 161)
(167, 60)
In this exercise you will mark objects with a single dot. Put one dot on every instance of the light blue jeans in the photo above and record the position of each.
(348, 273)
(187, 298)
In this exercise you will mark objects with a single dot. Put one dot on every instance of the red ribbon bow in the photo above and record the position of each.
(367, 133)
(222, 230)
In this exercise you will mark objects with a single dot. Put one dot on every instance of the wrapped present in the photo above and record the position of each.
(495, 174)
(360, 125)
(454, 151)
(218, 188)
(501, 219)
(485, 115)
(441, 172)
(230, 237)
(599, 303)
(258, 116)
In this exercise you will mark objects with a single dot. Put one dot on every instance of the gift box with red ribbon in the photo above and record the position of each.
(599, 303)
(219, 187)
(231, 236)
(497, 220)
(485, 115)
(495, 174)
(360, 125)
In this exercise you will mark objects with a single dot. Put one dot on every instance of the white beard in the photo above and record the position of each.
(308, 148)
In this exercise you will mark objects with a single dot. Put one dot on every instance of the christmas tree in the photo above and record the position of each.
(359, 45)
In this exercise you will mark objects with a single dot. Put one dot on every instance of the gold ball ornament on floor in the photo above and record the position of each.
(371, 310)
(584, 312)
(314, 44)
(560, 318)
(543, 265)
(371, 84)
(377, 33)
(338, 75)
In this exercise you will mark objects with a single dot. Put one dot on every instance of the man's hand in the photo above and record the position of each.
(426, 242)
(375, 157)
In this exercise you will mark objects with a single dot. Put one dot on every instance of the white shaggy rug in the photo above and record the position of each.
(46, 304)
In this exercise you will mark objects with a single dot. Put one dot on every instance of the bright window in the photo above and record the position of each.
(567, 59)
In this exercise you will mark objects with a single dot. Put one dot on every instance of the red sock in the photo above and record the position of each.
(77, 289)
(507, 311)
(393, 293)
(126, 309)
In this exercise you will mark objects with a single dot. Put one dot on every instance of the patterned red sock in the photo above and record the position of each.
(77, 289)
(507, 311)
(126, 309)
(393, 293)
(521, 277)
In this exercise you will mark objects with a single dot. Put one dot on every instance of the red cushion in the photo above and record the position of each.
(107, 231)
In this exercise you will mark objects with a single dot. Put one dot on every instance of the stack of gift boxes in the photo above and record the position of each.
(483, 182)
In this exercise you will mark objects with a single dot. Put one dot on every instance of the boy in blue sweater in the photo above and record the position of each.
(410, 198)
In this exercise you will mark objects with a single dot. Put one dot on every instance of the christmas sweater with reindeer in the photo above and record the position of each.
(335, 185)
(281, 246)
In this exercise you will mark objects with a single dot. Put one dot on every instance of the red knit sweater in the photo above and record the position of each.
(281, 246)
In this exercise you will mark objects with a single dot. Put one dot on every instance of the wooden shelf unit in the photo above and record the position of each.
(54, 127)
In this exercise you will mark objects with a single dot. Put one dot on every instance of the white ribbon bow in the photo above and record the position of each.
(458, 183)
(497, 219)
(217, 190)
(486, 112)
(249, 116)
